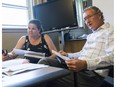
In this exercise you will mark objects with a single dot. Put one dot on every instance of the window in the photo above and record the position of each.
(14, 13)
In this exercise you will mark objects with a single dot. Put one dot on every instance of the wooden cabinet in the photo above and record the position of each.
(74, 45)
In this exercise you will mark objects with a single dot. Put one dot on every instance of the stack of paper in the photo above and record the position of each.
(34, 55)
(21, 68)
(14, 62)
(29, 53)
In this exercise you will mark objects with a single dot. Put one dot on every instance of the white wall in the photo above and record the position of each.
(107, 7)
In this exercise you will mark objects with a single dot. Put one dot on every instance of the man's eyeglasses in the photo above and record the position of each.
(90, 16)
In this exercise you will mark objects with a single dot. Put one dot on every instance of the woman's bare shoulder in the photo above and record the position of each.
(22, 38)
(46, 36)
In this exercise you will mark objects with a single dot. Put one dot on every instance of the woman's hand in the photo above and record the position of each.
(9, 56)
(4, 57)
(76, 64)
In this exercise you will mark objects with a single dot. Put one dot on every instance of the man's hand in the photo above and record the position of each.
(63, 53)
(76, 64)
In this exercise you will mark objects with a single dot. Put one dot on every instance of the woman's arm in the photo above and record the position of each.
(12, 55)
(50, 44)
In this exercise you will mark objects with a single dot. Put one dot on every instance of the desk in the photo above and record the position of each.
(33, 77)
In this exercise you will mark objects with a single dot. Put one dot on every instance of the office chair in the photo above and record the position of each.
(105, 82)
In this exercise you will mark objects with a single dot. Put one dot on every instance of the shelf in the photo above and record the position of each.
(62, 29)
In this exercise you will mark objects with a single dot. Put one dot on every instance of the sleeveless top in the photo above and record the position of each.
(42, 47)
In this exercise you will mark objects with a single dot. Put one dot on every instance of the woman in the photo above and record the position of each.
(34, 41)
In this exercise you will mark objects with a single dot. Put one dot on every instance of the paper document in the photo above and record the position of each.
(34, 55)
(61, 56)
(21, 68)
(23, 52)
(13, 62)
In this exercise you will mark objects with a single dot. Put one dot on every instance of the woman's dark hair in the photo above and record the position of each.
(37, 23)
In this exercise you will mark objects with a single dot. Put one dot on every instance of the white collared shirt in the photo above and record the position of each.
(98, 50)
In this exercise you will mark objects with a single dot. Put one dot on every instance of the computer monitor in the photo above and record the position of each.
(56, 14)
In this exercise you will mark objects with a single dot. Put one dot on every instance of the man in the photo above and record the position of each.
(97, 52)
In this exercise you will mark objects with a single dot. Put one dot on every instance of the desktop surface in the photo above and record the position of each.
(38, 76)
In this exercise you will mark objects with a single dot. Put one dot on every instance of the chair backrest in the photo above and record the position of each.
(109, 81)
(111, 72)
